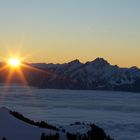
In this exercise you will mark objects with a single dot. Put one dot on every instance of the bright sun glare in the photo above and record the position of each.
(14, 62)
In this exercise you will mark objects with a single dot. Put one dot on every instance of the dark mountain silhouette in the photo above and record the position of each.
(94, 75)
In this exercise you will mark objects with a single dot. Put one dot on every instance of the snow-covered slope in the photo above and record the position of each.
(14, 128)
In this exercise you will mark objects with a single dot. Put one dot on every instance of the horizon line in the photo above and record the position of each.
(88, 61)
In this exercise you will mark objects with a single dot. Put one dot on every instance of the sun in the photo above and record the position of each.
(14, 62)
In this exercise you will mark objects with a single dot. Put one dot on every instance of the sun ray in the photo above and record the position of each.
(15, 67)
(8, 80)
(14, 73)
(3, 67)
(9, 77)
(22, 77)
(35, 69)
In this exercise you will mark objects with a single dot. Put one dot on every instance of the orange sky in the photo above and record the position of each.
(60, 31)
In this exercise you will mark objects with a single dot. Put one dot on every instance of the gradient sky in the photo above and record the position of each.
(63, 30)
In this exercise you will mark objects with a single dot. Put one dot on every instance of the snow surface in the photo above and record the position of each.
(116, 112)
(14, 129)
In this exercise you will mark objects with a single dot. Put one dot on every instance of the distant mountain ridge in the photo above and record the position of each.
(95, 75)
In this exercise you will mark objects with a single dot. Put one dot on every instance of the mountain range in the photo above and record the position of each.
(94, 75)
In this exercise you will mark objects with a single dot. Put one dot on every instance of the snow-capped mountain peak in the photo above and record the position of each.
(101, 62)
(76, 61)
